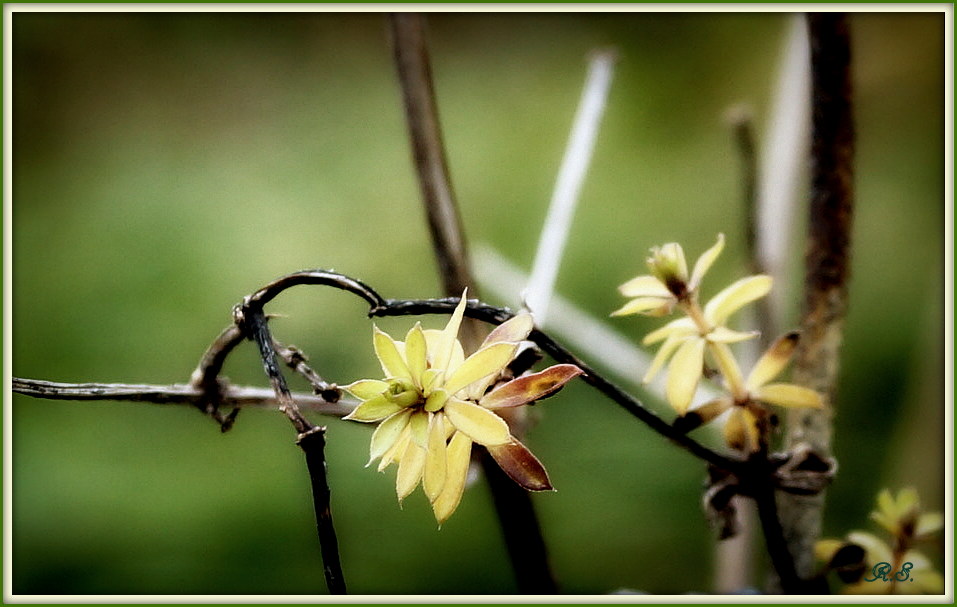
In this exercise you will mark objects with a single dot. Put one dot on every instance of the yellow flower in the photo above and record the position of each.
(883, 570)
(656, 294)
(684, 340)
(741, 429)
(434, 403)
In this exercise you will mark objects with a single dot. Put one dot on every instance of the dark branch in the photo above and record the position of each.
(172, 394)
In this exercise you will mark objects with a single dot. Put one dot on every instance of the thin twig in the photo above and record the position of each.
(827, 266)
(173, 394)
(313, 445)
(251, 319)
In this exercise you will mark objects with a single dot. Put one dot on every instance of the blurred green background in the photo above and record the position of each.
(167, 164)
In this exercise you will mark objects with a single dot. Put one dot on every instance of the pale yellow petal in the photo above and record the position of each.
(386, 349)
(480, 424)
(436, 400)
(644, 305)
(662, 355)
(681, 327)
(724, 335)
(457, 467)
(410, 470)
(514, 330)
(387, 433)
(416, 353)
(436, 459)
(929, 523)
(485, 362)
(741, 431)
(448, 336)
(431, 379)
(788, 395)
(419, 426)
(704, 263)
(703, 414)
(907, 502)
(727, 364)
(824, 550)
(877, 550)
(929, 582)
(644, 286)
(736, 296)
(684, 371)
(394, 454)
(364, 389)
(373, 410)
(773, 361)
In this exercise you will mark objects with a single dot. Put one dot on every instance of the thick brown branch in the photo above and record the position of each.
(827, 265)
(428, 151)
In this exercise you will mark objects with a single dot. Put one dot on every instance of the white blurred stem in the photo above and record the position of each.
(782, 162)
(780, 169)
(561, 210)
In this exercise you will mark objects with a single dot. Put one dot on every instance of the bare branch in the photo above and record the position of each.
(827, 266)
(173, 394)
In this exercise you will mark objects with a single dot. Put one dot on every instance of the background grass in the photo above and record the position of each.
(167, 164)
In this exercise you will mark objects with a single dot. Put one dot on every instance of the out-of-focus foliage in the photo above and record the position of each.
(165, 165)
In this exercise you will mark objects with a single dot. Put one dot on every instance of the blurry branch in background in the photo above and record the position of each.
(520, 526)
(827, 265)
(571, 175)
(770, 186)
(782, 164)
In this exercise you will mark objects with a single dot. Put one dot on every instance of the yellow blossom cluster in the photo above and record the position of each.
(701, 335)
(435, 402)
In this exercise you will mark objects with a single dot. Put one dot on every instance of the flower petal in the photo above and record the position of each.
(530, 387)
(703, 414)
(373, 410)
(485, 362)
(410, 470)
(515, 329)
(436, 400)
(394, 454)
(433, 478)
(419, 426)
(481, 425)
(365, 389)
(387, 433)
(681, 327)
(521, 466)
(789, 395)
(684, 371)
(727, 364)
(877, 550)
(929, 523)
(736, 296)
(649, 306)
(457, 467)
(386, 349)
(644, 286)
(448, 336)
(415, 353)
(662, 355)
(704, 263)
(741, 431)
(773, 361)
(724, 335)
